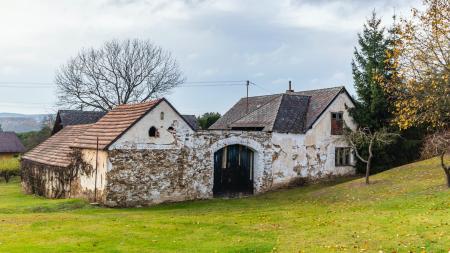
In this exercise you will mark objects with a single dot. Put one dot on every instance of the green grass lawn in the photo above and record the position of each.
(405, 209)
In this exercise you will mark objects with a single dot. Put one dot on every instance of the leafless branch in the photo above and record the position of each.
(119, 72)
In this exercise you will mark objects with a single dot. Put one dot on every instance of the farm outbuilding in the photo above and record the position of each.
(148, 153)
(10, 145)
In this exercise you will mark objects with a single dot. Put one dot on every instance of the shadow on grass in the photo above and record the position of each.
(42, 205)
(253, 201)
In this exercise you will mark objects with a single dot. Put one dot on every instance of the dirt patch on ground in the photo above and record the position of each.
(359, 184)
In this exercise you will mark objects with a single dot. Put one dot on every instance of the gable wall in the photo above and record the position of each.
(137, 136)
(311, 155)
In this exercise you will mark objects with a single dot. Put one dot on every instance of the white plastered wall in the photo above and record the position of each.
(87, 181)
(137, 137)
(311, 155)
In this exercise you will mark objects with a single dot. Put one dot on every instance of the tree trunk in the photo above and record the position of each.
(368, 164)
(446, 169)
(6, 176)
(448, 178)
(369, 161)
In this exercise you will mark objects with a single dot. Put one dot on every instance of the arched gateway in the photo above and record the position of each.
(233, 170)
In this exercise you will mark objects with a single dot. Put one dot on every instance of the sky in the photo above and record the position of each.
(265, 41)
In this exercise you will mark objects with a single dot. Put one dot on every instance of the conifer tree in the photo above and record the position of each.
(369, 69)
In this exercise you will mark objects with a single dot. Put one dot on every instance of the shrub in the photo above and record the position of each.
(9, 168)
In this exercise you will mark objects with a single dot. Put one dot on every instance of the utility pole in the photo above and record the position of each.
(248, 84)
(96, 165)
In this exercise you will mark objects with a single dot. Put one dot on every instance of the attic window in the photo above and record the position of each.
(337, 123)
(161, 116)
(153, 132)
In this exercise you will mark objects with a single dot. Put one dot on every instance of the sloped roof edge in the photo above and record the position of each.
(143, 115)
(343, 89)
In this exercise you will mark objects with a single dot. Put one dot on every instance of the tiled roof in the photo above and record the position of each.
(74, 117)
(263, 116)
(113, 124)
(292, 112)
(56, 149)
(191, 120)
(239, 110)
(320, 99)
(10, 143)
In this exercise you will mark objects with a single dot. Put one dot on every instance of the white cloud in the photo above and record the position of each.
(270, 42)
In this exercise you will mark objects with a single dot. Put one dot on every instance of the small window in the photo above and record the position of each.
(342, 157)
(153, 132)
(161, 116)
(337, 123)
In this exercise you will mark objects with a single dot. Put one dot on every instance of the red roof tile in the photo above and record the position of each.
(56, 149)
(113, 124)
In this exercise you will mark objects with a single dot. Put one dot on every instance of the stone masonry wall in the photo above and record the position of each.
(145, 177)
(206, 143)
(140, 177)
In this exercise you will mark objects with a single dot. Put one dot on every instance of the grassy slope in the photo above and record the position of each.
(407, 208)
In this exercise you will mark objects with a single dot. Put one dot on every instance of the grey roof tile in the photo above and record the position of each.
(10, 143)
(292, 112)
(191, 120)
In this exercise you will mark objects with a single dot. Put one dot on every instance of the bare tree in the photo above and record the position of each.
(438, 144)
(365, 138)
(119, 72)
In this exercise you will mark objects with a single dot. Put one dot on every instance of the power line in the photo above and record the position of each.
(238, 81)
(212, 85)
(24, 84)
(260, 87)
(26, 87)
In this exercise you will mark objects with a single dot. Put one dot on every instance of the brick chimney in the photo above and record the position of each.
(290, 90)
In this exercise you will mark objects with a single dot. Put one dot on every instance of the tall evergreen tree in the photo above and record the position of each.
(369, 69)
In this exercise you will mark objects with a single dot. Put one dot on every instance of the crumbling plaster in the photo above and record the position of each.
(137, 137)
(179, 164)
(89, 183)
(312, 155)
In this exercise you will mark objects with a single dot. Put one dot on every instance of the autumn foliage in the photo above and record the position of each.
(420, 67)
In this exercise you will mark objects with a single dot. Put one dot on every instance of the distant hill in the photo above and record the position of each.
(20, 123)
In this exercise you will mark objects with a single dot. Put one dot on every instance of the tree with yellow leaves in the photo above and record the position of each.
(419, 83)
(420, 56)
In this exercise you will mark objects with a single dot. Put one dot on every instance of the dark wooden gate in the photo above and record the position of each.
(233, 170)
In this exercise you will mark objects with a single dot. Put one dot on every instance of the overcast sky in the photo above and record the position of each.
(268, 42)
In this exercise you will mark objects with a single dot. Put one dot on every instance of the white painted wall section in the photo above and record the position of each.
(137, 137)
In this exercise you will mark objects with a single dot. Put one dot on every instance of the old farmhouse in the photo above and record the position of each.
(148, 153)
(10, 145)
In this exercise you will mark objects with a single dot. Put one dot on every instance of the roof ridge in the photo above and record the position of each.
(296, 92)
(329, 88)
(139, 103)
(263, 96)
